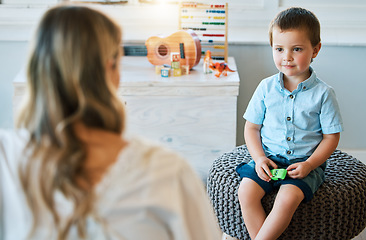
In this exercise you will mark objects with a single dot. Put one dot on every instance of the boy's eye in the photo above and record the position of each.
(297, 49)
(279, 49)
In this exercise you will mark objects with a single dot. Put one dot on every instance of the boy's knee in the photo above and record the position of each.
(242, 192)
(249, 192)
(289, 197)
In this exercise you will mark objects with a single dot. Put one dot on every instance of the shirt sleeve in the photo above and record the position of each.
(330, 117)
(198, 220)
(256, 108)
(14, 223)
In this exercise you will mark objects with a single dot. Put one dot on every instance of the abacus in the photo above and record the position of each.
(210, 23)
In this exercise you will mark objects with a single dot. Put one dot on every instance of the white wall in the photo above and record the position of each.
(343, 22)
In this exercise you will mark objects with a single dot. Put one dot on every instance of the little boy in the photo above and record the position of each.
(293, 122)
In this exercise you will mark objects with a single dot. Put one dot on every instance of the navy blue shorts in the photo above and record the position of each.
(308, 185)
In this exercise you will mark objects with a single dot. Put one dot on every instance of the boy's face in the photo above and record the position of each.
(292, 53)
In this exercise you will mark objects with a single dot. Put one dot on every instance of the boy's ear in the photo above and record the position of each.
(316, 50)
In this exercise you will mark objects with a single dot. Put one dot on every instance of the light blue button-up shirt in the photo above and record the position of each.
(293, 123)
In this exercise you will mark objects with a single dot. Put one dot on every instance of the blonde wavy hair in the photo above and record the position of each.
(67, 84)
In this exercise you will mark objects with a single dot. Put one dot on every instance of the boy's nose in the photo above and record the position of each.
(288, 58)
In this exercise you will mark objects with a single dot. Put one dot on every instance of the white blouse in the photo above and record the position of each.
(150, 192)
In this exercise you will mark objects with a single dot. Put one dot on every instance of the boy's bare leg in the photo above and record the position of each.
(250, 195)
(287, 200)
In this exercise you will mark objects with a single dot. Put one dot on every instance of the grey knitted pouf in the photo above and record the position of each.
(337, 211)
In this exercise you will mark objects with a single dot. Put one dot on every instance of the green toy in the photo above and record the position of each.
(278, 174)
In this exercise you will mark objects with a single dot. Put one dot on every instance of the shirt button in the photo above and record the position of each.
(288, 152)
(288, 139)
(304, 88)
(288, 118)
(291, 96)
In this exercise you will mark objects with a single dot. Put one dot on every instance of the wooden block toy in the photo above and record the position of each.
(158, 69)
(175, 57)
(176, 65)
(185, 69)
(177, 72)
(165, 72)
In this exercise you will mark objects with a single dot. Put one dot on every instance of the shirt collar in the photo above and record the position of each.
(303, 86)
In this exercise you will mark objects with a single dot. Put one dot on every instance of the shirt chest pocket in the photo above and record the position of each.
(306, 114)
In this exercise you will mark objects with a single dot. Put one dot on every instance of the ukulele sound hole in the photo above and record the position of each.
(162, 50)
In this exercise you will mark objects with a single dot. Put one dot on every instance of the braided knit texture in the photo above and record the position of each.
(337, 211)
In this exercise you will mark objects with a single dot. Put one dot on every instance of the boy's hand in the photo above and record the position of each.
(262, 168)
(299, 170)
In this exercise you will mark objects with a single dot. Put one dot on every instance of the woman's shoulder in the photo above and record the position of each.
(144, 170)
(13, 134)
(151, 146)
(142, 160)
(151, 154)
(12, 141)
(143, 182)
(12, 144)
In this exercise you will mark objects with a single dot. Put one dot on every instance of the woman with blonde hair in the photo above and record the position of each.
(67, 171)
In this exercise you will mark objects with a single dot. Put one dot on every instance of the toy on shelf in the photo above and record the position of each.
(185, 69)
(176, 65)
(165, 72)
(220, 68)
(207, 60)
(278, 174)
(183, 42)
(210, 23)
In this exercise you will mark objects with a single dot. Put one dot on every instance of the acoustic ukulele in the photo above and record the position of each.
(185, 42)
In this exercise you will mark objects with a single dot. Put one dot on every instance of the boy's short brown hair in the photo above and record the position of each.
(297, 18)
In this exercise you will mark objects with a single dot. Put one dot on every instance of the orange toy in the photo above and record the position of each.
(206, 62)
(220, 68)
(208, 58)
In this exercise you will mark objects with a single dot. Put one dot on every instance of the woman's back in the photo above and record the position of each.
(148, 193)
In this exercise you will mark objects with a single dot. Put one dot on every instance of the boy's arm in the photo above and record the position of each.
(254, 144)
(325, 148)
